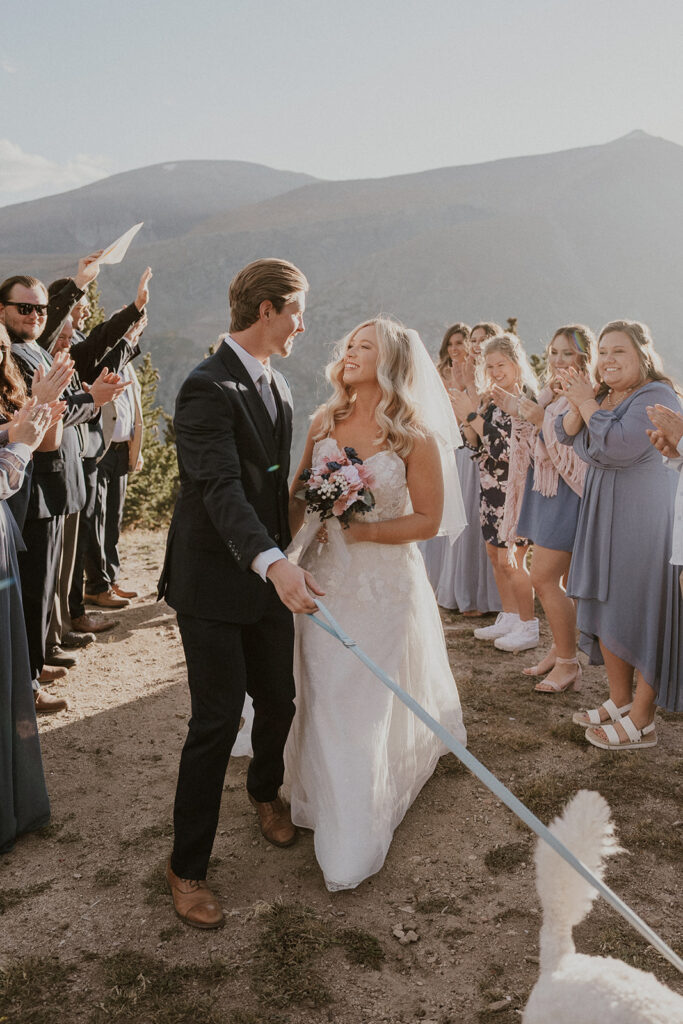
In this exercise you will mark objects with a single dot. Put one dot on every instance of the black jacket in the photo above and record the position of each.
(233, 495)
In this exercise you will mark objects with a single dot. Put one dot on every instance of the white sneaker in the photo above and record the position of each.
(523, 637)
(505, 623)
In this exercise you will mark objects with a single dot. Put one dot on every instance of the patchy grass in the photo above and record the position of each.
(507, 857)
(106, 878)
(438, 905)
(146, 834)
(143, 988)
(612, 936)
(567, 732)
(156, 885)
(509, 737)
(361, 948)
(11, 897)
(450, 765)
(31, 988)
(657, 835)
(284, 971)
(546, 796)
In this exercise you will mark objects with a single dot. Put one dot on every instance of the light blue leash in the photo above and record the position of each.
(498, 789)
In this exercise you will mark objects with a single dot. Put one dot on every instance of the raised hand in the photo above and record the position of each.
(29, 424)
(105, 388)
(576, 386)
(134, 332)
(667, 422)
(462, 403)
(48, 385)
(660, 442)
(88, 269)
(506, 401)
(142, 297)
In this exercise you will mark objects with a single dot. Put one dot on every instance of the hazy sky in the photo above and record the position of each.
(359, 88)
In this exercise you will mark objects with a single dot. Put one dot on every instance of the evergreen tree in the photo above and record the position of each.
(96, 314)
(152, 492)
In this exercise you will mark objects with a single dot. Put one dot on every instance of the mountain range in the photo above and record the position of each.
(584, 235)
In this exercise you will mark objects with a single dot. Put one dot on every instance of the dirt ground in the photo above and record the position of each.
(88, 933)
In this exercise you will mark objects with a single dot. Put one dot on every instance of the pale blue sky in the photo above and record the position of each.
(360, 88)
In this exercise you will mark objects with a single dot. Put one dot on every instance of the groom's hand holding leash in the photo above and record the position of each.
(292, 585)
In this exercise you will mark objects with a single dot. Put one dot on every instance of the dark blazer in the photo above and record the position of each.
(57, 485)
(233, 495)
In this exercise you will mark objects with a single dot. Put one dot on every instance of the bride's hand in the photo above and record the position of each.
(355, 532)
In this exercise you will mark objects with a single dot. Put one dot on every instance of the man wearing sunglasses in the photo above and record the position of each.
(57, 485)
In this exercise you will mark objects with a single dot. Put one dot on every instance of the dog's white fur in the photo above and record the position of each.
(573, 988)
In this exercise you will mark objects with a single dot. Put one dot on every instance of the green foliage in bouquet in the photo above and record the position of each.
(152, 492)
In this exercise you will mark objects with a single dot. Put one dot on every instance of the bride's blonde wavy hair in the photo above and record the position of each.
(396, 414)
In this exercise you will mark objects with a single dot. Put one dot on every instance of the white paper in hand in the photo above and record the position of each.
(118, 249)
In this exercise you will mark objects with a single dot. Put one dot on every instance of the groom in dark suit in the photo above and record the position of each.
(227, 577)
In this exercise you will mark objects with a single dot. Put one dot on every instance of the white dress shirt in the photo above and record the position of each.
(255, 368)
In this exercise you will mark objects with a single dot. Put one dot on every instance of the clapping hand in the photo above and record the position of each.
(518, 405)
(658, 439)
(668, 423)
(29, 424)
(576, 386)
(462, 403)
(105, 388)
(48, 385)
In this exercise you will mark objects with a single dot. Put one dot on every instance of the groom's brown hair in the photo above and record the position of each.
(268, 279)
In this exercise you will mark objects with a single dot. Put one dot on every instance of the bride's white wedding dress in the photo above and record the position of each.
(356, 757)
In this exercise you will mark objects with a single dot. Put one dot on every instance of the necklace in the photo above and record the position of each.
(611, 400)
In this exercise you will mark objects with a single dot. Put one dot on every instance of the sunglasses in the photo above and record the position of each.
(26, 308)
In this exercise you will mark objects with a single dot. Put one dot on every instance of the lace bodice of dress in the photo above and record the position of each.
(389, 481)
(366, 573)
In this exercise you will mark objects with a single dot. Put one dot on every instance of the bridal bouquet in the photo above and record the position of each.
(338, 486)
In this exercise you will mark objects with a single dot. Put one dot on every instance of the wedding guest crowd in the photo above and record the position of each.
(56, 503)
(572, 472)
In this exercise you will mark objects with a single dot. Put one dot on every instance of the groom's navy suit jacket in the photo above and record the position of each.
(233, 495)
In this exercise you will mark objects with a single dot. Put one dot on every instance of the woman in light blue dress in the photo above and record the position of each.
(629, 608)
(549, 508)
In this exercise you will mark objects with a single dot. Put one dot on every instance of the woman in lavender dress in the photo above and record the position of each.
(629, 607)
(460, 572)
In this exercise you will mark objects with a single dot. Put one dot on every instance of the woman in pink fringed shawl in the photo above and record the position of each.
(544, 491)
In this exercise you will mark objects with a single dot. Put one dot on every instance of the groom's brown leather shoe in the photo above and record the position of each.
(194, 902)
(276, 822)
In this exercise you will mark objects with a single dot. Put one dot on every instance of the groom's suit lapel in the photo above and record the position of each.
(251, 399)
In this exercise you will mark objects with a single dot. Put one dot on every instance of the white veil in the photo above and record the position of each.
(436, 414)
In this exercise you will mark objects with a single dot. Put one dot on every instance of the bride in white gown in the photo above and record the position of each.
(356, 757)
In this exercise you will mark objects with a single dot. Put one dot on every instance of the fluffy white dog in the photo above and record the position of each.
(573, 988)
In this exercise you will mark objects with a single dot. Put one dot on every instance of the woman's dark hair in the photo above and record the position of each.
(12, 388)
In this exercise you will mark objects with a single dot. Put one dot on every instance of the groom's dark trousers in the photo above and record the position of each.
(236, 633)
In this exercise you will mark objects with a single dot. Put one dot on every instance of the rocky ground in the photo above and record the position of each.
(88, 934)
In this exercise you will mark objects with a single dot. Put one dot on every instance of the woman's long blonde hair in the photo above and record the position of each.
(580, 338)
(512, 347)
(396, 413)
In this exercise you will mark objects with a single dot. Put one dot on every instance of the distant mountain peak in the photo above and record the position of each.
(638, 133)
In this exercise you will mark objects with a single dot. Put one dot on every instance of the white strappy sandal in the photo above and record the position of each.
(635, 740)
(592, 717)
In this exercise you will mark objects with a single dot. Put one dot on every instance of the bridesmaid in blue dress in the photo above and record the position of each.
(24, 804)
(550, 504)
(629, 607)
